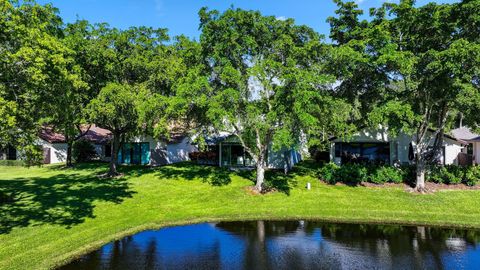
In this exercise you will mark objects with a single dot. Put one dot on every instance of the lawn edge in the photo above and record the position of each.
(72, 256)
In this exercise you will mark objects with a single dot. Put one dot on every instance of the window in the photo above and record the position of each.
(470, 149)
(108, 150)
(363, 152)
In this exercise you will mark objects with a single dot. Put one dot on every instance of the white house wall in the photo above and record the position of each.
(167, 153)
(179, 152)
(58, 151)
(283, 159)
(476, 152)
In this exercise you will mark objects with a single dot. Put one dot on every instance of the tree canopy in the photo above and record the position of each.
(272, 83)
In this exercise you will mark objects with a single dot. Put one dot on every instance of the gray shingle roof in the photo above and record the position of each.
(464, 133)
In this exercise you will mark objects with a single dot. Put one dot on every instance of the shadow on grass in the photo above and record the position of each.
(215, 176)
(281, 182)
(63, 199)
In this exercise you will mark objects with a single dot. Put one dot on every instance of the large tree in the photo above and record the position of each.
(36, 67)
(115, 108)
(135, 60)
(430, 62)
(266, 82)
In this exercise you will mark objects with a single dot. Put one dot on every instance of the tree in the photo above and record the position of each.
(115, 108)
(266, 81)
(431, 66)
(35, 68)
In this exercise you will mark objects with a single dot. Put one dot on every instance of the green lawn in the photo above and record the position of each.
(50, 215)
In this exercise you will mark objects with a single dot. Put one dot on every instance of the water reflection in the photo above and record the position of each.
(289, 245)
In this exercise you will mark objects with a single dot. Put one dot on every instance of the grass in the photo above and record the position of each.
(50, 215)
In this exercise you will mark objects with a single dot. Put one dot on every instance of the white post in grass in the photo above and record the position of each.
(309, 186)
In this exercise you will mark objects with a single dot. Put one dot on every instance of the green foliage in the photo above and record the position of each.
(83, 151)
(472, 176)
(411, 71)
(449, 174)
(12, 163)
(452, 174)
(328, 173)
(115, 108)
(386, 174)
(352, 174)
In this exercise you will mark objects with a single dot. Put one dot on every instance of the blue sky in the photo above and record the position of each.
(180, 16)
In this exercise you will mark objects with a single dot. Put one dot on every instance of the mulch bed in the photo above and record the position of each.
(431, 187)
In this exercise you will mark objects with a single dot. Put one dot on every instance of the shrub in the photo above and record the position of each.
(352, 173)
(384, 174)
(12, 163)
(83, 150)
(472, 175)
(409, 173)
(328, 173)
(449, 174)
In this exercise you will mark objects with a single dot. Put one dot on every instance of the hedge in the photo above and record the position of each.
(356, 173)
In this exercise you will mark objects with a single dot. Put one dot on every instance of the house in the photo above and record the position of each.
(226, 150)
(377, 146)
(100, 140)
(146, 150)
(142, 150)
(473, 140)
(53, 145)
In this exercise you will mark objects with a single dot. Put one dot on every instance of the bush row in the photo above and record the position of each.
(451, 174)
(12, 163)
(356, 173)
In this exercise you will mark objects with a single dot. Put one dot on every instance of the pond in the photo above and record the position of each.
(289, 245)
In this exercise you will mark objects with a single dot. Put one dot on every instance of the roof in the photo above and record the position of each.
(48, 134)
(455, 138)
(221, 137)
(97, 135)
(94, 135)
(465, 134)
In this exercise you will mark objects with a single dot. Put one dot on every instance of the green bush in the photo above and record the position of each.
(328, 173)
(356, 173)
(352, 173)
(472, 176)
(83, 150)
(449, 174)
(386, 174)
(12, 163)
(409, 173)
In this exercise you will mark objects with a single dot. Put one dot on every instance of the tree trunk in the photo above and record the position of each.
(420, 183)
(260, 173)
(114, 155)
(69, 154)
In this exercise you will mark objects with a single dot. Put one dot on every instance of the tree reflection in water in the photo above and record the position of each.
(290, 245)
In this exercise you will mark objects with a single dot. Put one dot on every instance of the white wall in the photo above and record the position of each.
(58, 151)
(178, 152)
(283, 159)
(452, 149)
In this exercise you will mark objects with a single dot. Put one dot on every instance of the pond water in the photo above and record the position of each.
(289, 245)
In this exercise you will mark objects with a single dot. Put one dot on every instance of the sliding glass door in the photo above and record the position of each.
(135, 153)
